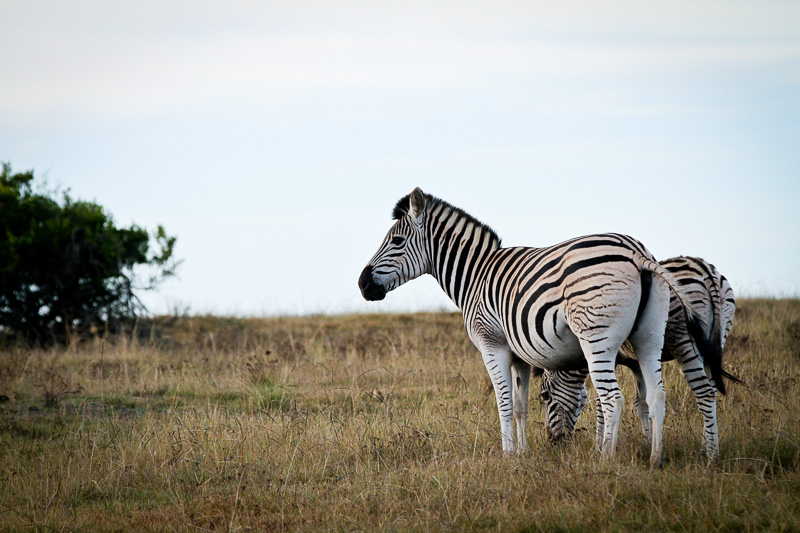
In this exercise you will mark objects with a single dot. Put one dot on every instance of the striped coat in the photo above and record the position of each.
(563, 307)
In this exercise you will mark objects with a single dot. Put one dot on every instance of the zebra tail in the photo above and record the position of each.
(714, 287)
(710, 351)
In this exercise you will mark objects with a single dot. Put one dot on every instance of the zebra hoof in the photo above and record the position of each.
(607, 453)
(656, 462)
(712, 456)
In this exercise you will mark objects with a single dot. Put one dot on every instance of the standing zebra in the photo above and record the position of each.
(564, 393)
(564, 307)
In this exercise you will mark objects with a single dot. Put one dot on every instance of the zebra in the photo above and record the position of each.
(563, 307)
(563, 393)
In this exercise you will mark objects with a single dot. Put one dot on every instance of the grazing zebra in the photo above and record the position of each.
(564, 393)
(564, 307)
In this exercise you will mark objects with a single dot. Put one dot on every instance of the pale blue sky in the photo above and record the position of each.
(273, 138)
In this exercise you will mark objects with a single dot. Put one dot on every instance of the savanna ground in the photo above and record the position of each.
(382, 422)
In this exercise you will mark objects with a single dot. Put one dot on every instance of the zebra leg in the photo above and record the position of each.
(601, 369)
(598, 432)
(648, 341)
(498, 364)
(656, 401)
(641, 403)
(521, 377)
(704, 393)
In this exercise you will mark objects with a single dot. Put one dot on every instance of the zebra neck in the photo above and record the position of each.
(459, 246)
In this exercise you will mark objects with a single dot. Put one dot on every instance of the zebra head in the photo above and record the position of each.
(403, 255)
(564, 396)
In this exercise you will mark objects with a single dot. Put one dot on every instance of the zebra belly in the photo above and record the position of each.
(562, 351)
(547, 335)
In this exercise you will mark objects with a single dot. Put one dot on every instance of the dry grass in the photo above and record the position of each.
(377, 422)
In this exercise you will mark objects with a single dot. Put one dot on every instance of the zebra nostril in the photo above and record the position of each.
(369, 289)
(365, 278)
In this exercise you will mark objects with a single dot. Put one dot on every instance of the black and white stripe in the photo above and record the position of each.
(564, 394)
(564, 307)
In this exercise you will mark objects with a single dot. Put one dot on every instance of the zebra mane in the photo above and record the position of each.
(404, 204)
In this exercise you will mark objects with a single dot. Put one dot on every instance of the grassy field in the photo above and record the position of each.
(381, 422)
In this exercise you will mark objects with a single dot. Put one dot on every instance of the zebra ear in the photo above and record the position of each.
(417, 203)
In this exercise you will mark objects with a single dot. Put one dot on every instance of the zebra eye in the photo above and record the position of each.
(545, 395)
(397, 240)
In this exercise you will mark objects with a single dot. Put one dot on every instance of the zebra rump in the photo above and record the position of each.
(709, 340)
(563, 392)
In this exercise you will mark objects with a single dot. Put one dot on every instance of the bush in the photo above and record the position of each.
(65, 266)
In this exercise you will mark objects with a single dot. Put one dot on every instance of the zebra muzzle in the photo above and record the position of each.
(370, 290)
(557, 432)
